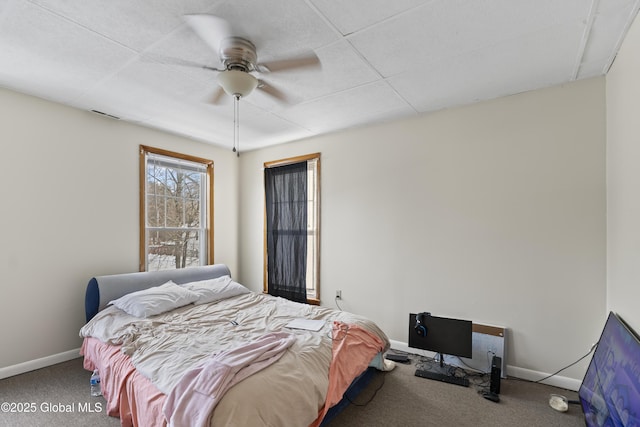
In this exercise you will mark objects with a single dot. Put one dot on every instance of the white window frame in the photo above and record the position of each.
(205, 227)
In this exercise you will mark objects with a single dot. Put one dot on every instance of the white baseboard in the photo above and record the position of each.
(43, 362)
(513, 371)
(556, 380)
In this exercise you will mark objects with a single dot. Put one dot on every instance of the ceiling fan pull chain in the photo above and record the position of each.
(236, 124)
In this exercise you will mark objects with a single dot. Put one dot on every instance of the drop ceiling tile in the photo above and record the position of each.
(142, 89)
(292, 134)
(603, 41)
(279, 29)
(444, 28)
(354, 15)
(606, 6)
(186, 52)
(135, 24)
(5, 7)
(353, 107)
(257, 127)
(512, 66)
(197, 123)
(342, 68)
(48, 56)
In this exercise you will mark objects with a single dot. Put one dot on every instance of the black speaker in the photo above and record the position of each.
(496, 371)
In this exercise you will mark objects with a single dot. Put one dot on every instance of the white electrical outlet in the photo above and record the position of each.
(338, 294)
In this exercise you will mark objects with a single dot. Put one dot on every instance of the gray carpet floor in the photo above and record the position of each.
(59, 396)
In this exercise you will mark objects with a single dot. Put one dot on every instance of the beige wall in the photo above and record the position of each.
(69, 211)
(493, 212)
(623, 181)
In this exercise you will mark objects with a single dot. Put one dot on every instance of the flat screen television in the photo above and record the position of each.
(610, 391)
(441, 335)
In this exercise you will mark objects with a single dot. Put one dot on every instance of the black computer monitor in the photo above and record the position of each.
(441, 335)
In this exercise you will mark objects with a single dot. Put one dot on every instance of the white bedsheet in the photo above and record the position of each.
(164, 347)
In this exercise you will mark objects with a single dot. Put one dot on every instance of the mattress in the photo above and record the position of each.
(141, 361)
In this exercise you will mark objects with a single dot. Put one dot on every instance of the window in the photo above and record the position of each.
(176, 210)
(288, 229)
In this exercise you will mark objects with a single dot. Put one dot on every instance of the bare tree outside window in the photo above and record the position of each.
(176, 204)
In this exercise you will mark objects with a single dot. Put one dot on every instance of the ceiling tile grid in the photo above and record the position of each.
(351, 16)
(142, 62)
(610, 24)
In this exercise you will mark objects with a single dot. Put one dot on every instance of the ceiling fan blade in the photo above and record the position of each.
(273, 91)
(308, 61)
(152, 57)
(212, 29)
(218, 96)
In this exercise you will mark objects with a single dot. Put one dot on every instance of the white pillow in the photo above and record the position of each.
(156, 300)
(215, 289)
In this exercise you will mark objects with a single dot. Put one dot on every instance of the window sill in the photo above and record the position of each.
(310, 301)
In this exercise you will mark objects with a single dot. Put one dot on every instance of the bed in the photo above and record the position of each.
(193, 347)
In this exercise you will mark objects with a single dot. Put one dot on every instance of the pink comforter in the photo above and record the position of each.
(353, 349)
(129, 395)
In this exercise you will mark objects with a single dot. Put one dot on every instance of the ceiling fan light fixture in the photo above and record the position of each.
(237, 83)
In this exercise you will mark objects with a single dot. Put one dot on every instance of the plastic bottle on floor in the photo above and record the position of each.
(95, 384)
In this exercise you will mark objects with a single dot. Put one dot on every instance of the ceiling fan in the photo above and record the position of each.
(239, 62)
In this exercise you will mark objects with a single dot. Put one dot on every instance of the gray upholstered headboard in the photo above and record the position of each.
(102, 289)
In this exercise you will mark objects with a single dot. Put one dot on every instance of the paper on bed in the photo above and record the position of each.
(306, 324)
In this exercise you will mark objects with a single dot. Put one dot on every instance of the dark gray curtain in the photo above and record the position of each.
(286, 203)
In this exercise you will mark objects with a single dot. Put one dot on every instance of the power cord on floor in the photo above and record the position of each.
(470, 368)
(568, 366)
(381, 374)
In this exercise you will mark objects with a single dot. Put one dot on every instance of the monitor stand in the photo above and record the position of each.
(441, 360)
(441, 373)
